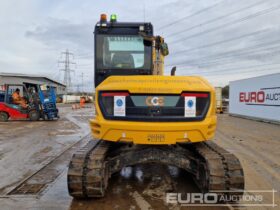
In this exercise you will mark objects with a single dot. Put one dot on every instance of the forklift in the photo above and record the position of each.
(41, 101)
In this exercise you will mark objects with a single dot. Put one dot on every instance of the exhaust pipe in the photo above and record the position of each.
(173, 71)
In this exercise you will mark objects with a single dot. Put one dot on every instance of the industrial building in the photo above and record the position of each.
(257, 98)
(16, 78)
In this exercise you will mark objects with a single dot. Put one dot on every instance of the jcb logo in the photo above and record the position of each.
(155, 101)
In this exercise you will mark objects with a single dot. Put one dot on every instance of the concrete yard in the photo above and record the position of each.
(34, 157)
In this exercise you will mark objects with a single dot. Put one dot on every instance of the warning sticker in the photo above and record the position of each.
(190, 106)
(119, 106)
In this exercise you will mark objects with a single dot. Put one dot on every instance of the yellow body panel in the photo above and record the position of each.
(155, 132)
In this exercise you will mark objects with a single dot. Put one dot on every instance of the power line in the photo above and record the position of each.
(235, 72)
(231, 57)
(245, 72)
(238, 69)
(191, 15)
(86, 64)
(234, 52)
(217, 19)
(251, 16)
(217, 64)
(230, 61)
(66, 69)
(223, 41)
(85, 55)
(162, 17)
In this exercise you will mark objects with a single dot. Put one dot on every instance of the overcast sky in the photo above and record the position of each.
(222, 40)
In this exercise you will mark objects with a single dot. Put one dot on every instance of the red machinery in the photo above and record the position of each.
(8, 110)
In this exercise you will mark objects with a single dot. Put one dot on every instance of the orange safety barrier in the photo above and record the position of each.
(82, 102)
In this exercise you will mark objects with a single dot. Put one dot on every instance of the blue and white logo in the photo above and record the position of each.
(190, 106)
(190, 103)
(119, 106)
(119, 102)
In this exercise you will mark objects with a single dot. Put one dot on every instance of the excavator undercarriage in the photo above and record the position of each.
(212, 167)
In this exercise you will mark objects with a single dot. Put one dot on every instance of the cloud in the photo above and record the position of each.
(62, 33)
(34, 32)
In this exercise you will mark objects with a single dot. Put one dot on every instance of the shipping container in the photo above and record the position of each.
(257, 97)
(75, 99)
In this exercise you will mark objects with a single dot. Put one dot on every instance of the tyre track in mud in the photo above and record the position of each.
(37, 182)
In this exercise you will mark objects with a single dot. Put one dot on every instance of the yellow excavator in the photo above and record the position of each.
(143, 116)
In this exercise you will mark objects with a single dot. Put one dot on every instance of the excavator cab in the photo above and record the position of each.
(121, 49)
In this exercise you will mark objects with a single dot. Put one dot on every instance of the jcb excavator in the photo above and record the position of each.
(145, 117)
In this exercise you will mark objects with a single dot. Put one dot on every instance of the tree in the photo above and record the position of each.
(225, 91)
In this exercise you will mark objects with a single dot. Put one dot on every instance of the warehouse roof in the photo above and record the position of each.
(31, 76)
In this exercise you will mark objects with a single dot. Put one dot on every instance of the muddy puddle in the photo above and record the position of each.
(142, 187)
